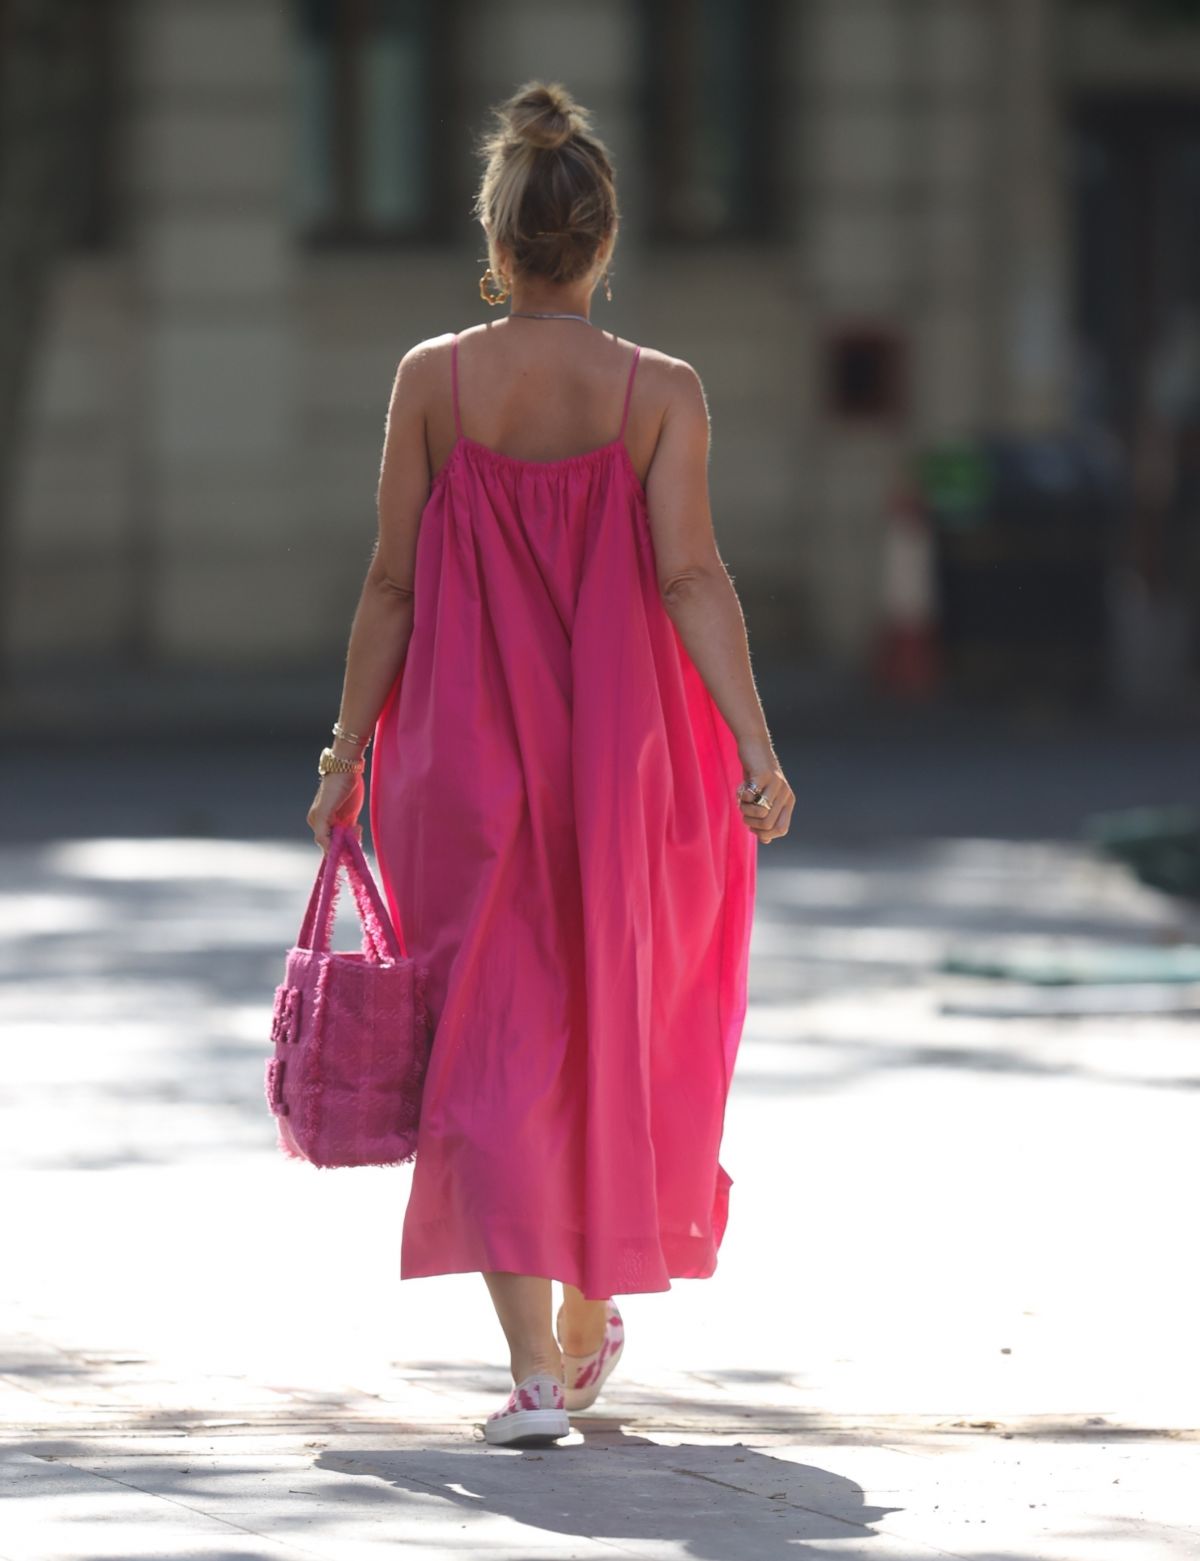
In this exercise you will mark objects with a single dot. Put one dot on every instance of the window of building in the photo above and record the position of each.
(373, 104)
(864, 374)
(60, 90)
(711, 117)
(1150, 14)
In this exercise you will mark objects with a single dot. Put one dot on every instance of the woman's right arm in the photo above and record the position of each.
(699, 595)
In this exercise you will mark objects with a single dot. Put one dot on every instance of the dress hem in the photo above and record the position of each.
(643, 1267)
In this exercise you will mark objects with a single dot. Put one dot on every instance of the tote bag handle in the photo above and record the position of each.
(380, 938)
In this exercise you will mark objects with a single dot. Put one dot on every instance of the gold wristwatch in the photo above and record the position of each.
(330, 764)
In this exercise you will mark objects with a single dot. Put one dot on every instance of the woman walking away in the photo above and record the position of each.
(571, 773)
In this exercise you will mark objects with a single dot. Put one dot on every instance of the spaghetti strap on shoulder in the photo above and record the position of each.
(637, 352)
(458, 428)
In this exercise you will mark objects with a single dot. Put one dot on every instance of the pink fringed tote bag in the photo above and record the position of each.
(351, 1031)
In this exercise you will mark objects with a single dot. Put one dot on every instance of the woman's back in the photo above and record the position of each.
(543, 394)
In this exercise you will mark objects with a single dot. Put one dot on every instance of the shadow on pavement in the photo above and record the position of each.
(613, 1486)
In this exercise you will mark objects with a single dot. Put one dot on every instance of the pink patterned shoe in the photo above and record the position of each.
(587, 1374)
(534, 1414)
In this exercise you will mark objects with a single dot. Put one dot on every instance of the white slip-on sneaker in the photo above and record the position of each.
(534, 1414)
(586, 1374)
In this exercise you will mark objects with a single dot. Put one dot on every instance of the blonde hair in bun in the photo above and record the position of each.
(548, 192)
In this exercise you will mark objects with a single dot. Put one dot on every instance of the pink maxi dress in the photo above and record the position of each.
(553, 811)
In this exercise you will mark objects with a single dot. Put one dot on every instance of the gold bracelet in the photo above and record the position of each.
(330, 764)
(348, 737)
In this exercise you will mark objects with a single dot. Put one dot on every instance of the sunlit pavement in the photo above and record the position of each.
(954, 1314)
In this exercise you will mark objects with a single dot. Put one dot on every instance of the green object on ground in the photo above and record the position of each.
(1090, 966)
(956, 478)
(1160, 844)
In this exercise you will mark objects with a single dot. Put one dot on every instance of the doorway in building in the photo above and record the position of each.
(1136, 257)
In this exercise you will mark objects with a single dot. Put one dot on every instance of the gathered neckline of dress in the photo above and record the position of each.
(562, 462)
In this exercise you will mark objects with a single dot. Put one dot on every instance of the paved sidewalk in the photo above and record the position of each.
(953, 1315)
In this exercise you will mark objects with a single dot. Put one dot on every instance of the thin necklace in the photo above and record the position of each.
(525, 314)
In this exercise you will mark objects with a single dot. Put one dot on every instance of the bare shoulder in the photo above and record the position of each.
(668, 373)
(420, 376)
(678, 384)
(423, 358)
(675, 385)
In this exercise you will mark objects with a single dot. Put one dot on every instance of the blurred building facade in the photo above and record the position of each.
(865, 222)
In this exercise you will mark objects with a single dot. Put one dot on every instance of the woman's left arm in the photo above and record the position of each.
(383, 619)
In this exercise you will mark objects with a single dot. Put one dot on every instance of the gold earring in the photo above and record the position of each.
(607, 288)
(486, 281)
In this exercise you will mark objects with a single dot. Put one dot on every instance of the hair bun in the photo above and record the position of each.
(548, 198)
(545, 114)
